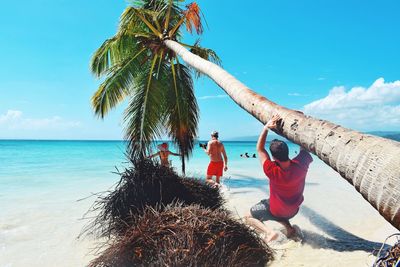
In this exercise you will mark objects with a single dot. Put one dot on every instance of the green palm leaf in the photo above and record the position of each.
(116, 87)
(205, 53)
(145, 113)
(130, 21)
(182, 111)
(112, 52)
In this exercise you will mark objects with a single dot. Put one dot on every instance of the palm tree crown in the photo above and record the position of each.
(136, 64)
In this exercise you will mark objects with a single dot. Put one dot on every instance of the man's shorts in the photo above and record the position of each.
(261, 212)
(215, 168)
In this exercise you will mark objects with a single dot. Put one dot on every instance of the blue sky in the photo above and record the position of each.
(337, 60)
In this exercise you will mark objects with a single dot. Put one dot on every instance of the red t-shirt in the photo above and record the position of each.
(286, 186)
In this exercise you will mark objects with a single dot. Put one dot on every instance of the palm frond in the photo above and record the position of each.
(168, 14)
(142, 14)
(112, 52)
(116, 87)
(164, 13)
(193, 19)
(205, 53)
(138, 20)
(182, 110)
(145, 112)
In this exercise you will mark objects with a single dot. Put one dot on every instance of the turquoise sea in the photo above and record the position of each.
(39, 167)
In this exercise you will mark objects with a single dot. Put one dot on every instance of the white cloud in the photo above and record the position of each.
(372, 108)
(321, 79)
(14, 119)
(10, 116)
(212, 96)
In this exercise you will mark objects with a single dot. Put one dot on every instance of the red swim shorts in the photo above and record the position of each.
(215, 168)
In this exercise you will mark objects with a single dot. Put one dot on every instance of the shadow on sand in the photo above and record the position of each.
(341, 239)
(241, 181)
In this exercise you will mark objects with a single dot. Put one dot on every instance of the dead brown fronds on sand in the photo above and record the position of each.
(185, 236)
(389, 257)
(146, 184)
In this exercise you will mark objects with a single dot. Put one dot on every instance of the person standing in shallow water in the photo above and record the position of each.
(164, 153)
(216, 150)
(287, 181)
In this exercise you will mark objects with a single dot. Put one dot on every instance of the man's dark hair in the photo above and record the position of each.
(214, 134)
(279, 150)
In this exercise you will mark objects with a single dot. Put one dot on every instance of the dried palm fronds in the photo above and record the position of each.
(185, 236)
(389, 257)
(146, 184)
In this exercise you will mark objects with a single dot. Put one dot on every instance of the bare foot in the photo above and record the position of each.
(294, 233)
(210, 182)
(290, 232)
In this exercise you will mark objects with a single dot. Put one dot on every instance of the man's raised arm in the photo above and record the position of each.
(260, 147)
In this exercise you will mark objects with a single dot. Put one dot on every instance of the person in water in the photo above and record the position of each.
(164, 153)
(216, 150)
(287, 181)
(246, 155)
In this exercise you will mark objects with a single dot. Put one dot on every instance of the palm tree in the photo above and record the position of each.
(136, 64)
(371, 164)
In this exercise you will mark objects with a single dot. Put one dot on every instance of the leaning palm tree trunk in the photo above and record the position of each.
(371, 164)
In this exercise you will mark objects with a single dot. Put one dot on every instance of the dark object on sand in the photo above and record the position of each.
(146, 184)
(186, 236)
(203, 145)
(389, 257)
(254, 156)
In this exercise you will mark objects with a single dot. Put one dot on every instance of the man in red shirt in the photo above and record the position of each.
(286, 184)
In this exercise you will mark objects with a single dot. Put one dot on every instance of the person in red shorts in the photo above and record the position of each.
(218, 159)
(286, 184)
